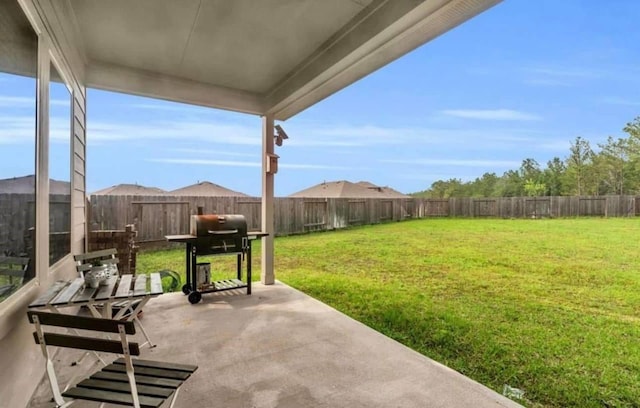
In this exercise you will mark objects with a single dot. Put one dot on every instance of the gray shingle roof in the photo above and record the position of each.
(26, 185)
(129, 189)
(347, 189)
(206, 189)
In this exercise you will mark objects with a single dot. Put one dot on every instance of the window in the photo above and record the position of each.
(59, 167)
(18, 78)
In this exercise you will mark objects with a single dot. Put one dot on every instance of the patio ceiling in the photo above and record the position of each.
(274, 57)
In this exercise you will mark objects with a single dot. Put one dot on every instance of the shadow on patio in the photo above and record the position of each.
(281, 348)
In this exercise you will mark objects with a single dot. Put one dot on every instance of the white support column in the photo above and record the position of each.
(267, 277)
(41, 246)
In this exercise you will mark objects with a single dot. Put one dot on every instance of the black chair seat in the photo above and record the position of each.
(156, 381)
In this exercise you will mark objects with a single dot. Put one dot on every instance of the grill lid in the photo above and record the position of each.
(218, 224)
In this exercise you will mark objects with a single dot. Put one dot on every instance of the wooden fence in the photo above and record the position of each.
(157, 216)
(541, 207)
(17, 220)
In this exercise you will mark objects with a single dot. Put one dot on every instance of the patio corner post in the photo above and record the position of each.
(267, 276)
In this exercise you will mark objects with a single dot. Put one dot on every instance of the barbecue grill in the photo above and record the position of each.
(219, 234)
(216, 234)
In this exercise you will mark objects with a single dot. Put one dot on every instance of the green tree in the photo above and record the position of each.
(579, 164)
(554, 176)
(445, 189)
(612, 162)
(511, 184)
(534, 188)
(483, 186)
(633, 151)
(530, 169)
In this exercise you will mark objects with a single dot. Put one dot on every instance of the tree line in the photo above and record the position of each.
(612, 167)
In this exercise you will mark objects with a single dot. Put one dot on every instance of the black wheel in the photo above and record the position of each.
(186, 289)
(195, 297)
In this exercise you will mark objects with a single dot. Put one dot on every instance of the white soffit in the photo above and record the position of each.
(266, 56)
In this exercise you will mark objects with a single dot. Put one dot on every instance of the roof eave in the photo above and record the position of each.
(381, 33)
(342, 63)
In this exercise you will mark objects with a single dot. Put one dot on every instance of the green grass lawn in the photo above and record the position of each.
(549, 306)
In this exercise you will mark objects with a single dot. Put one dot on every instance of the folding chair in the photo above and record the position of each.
(126, 381)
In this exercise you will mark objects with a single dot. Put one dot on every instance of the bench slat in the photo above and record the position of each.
(85, 294)
(140, 285)
(123, 387)
(152, 372)
(69, 292)
(87, 343)
(140, 379)
(52, 292)
(81, 322)
(156, 283)
(87, 266)
(95, 254)
(111, 397)
(159, 364)
(124, 287)
(105, 291)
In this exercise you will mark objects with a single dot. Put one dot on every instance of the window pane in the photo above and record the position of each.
(59, 167)
(18, 72)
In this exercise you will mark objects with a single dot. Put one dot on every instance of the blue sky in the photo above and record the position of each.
(520, 80)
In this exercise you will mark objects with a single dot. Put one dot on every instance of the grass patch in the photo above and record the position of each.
(548, 306)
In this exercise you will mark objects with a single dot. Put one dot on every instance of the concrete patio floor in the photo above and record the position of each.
(282, 348)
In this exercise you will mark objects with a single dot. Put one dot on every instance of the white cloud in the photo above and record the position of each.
(612, 100)
(167, 107)
(61, 102)
(212, 152)
(207, 162)
(233, 163)
(180, 130)
(556, 75)
(17, 129)
(555, 145)
(317, 167)
(547, 82)
(312, 135)
(455, 162)
(7, 101)
(491, 114)
(565, 72)
(60, 129)
(426, 176)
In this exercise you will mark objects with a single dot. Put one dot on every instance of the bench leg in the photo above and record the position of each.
(146, 336)
(175, 395)
(134, 310)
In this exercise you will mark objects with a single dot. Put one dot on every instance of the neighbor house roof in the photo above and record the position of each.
(386, 191)
(208, 189)
(347, 189)
(129, 189)
(26, 185)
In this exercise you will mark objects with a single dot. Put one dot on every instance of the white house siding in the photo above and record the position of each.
(79, 183)
(21, 362)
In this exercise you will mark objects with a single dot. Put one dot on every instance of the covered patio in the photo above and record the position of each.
(271, 58)
(282, 348)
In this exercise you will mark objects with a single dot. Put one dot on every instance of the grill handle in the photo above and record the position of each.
(223, 232)
(245, 246)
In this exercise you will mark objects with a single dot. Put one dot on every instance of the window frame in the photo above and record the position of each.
(22, 294)
(53, 61)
